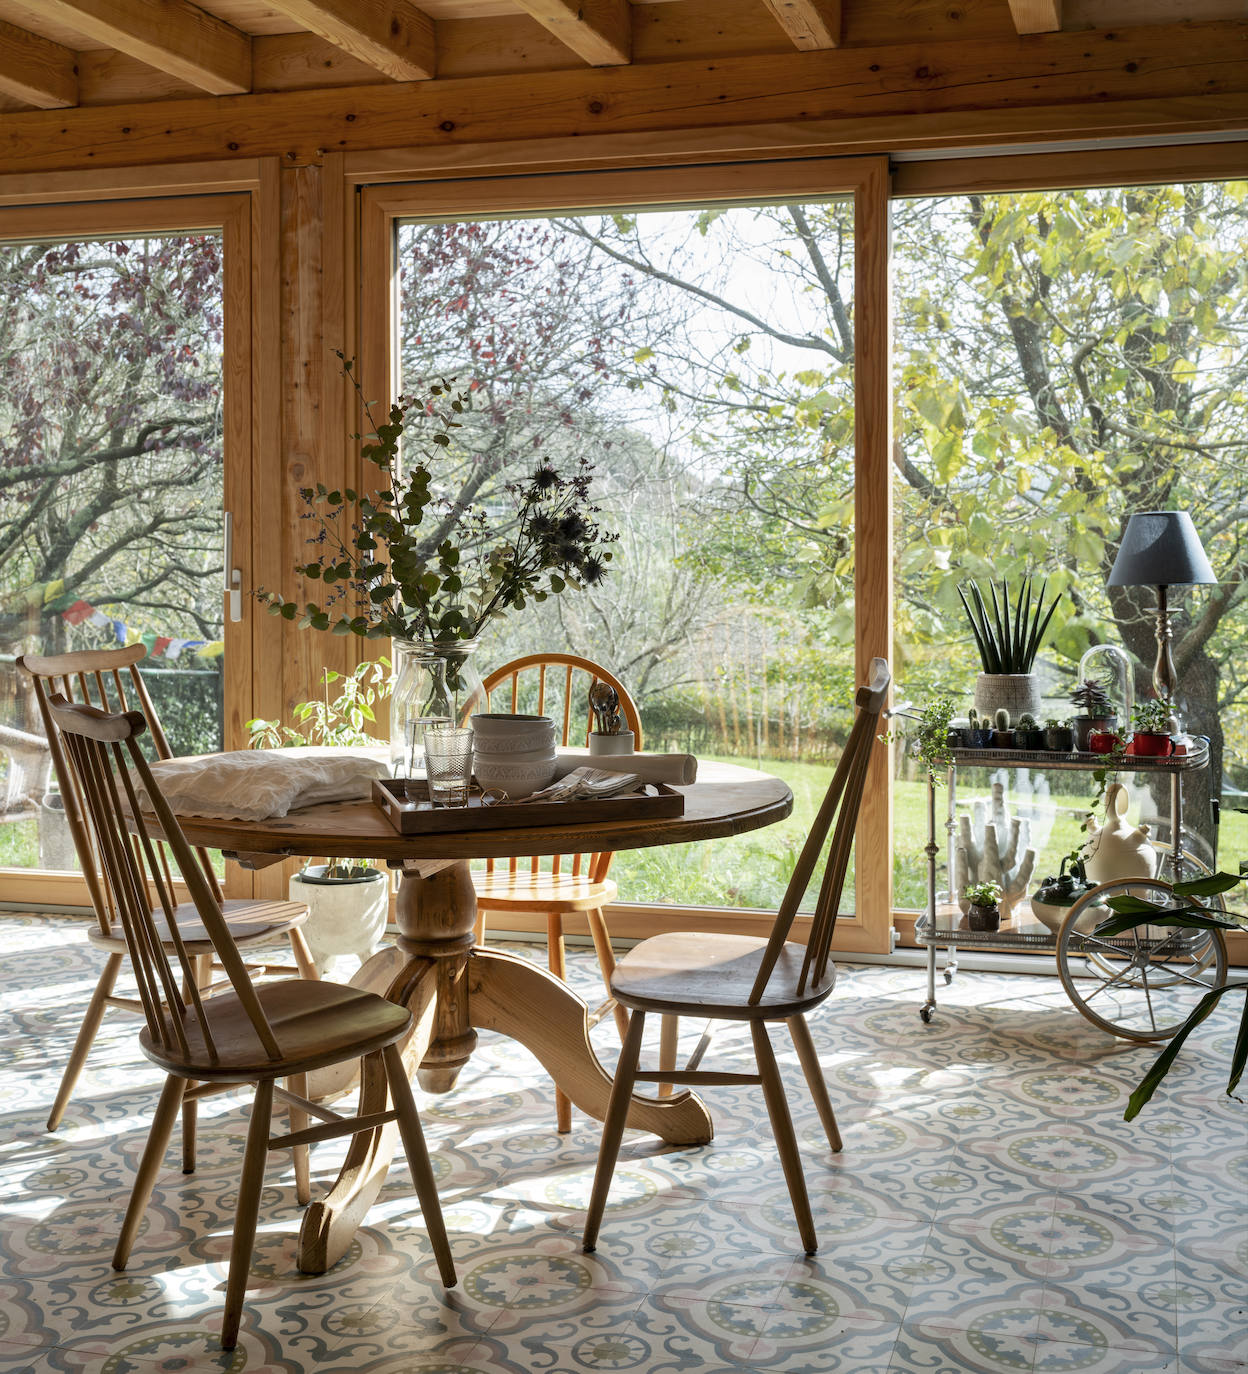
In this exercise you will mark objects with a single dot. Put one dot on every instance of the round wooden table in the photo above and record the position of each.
(455, 989)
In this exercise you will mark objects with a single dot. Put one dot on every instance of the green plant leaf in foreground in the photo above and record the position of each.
(1162, 1064)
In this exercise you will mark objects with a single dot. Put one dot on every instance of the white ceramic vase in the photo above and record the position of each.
(1118, 849)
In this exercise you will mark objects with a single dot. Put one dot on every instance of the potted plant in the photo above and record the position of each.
(985, 908)
(1056, 895)
(1008, 637)
(1058, 736)
(1152, 728)
(1096, 712)
(933, 737)
(348, 901)
(1027, 734)
(1002, 735)
(978, 732)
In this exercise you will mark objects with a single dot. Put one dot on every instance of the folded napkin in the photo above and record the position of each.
(677, 770)
(256, 784)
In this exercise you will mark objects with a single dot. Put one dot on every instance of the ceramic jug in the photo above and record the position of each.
(1117, 849)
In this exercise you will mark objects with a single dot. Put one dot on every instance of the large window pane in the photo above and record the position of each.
(1066, 358)
(703, 360)
(110, 490)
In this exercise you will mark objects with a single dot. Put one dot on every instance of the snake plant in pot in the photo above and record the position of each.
(1008, 631)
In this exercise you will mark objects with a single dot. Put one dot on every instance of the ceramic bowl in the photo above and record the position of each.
(516, 779)
(504, 735)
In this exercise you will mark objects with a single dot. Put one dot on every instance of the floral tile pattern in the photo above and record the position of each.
(991, 1211)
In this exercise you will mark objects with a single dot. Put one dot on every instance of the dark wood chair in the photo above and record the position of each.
(745, 978)
(110, 679)
(556, 885)
(250, 1034)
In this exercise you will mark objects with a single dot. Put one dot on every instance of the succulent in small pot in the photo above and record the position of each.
(1152, 728)
(1058, 736)
(978, 731)
(1027, 734)
(1002, 734)
(1096, 712)
(985, 906)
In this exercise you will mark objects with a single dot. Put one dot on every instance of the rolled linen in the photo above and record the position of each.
(677, 770)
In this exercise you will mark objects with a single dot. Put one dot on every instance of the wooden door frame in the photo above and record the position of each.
(42, 209)
(866, 179)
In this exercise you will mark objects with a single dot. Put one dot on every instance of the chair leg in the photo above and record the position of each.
(557, 959)
(247, 1211)
(786, 1140)
(613, 1128)
(669, 1034)
(190, 1110)
(606, 962)
(85, 1038)
(303, 955)
(419, 1163)
(297, 1083)
(809, 1058)
(149, 1166)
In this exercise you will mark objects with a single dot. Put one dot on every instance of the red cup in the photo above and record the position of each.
(1103, 741)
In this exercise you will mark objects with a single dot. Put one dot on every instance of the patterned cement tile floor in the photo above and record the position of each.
(991, 1211)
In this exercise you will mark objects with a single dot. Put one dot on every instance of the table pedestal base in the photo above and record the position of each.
(453, 990)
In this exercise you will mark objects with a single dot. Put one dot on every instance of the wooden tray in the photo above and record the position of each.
(406, 804)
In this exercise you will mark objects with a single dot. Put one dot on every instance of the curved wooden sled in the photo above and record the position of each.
(526, 1003)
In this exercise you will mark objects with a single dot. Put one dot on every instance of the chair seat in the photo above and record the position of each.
(505, 891)
(315, 1024)
(251, 921)
(692, 973)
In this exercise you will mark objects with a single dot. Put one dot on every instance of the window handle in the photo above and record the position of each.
(233, 575)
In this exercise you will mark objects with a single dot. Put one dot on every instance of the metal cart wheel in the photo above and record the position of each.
(1143, 984)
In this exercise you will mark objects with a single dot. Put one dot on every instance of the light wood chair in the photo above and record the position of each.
(556, 885)
(250, 1034)
(745, 978)
(110, 679)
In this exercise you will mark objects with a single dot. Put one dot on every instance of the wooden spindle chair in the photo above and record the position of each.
(110, 679)
(744, 978)
(555, 885)
(250, 1034)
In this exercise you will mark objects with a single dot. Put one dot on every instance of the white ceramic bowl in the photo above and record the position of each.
(516, 779)
(502, 735)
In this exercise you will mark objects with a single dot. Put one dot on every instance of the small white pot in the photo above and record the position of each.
(344, 916)
(600, 744)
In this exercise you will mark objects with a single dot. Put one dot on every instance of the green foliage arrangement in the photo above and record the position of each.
(983, 894)
(338, 722)
(1132, 912)
(416, 566)
(929, 741)
(1008, 638)
(1152, 716)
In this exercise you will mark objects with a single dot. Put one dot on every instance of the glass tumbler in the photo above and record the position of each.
(448, 764)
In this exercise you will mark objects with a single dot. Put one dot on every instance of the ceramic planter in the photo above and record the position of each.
(345, 915)
(1018, 693)
(1083, 726)
(1003, 739)
(978, 739)
(1060, 739)
(1029, 739)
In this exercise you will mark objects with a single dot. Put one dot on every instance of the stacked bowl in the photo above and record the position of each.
(513, 753)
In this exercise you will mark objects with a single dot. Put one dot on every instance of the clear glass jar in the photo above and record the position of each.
(433, 684)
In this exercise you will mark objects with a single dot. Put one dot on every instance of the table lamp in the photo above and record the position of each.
(1160, 548)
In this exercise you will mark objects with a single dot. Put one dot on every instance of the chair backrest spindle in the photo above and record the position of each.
(842, 801)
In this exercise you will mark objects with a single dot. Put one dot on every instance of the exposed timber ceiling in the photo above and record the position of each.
(872, 59)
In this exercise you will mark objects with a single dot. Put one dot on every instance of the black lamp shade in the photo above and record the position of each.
(1160, 549)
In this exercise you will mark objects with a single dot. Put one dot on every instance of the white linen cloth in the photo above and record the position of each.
(256, 784)
(677, 770)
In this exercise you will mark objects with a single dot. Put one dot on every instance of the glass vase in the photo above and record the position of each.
(432, 684)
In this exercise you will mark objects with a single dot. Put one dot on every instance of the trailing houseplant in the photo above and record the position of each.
(1008, 631)
(1130, 912)
(931, 739)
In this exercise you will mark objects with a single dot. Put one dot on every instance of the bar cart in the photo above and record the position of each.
(1141, 985)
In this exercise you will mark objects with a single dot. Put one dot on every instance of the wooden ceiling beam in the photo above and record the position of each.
(36, 70)
(171, 35)
(810, 24)
(599, 31)
(392, 36)
(1036, 16)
